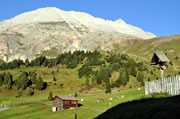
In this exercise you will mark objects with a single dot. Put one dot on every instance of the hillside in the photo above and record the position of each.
(169, 45)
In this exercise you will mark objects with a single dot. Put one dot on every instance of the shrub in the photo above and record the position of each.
(76, 95)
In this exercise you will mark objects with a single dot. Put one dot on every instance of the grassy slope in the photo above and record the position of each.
(147, 47)
(67, 77)
(87, 111)
(170, 45)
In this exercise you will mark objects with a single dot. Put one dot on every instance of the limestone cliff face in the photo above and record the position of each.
(54, 31)
(4, 51)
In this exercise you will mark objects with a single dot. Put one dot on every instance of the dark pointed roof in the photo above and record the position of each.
(159, 56)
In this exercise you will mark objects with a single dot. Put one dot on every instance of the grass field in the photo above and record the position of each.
(42, 110)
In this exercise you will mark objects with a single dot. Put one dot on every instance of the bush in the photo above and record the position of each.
(19, 93)
(54, 78)
(171, 63)
(30, 92)
(177, 57)
(76, 95)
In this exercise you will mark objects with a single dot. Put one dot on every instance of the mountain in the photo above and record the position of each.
(49, 31)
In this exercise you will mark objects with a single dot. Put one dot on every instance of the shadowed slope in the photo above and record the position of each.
(161, 108)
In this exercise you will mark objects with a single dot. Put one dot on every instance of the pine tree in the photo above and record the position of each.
(85, 70)
(50, 95)
(1, 79)
(27, 62)
(9, 84)
(108, 87)
(140, 78)
(39, 84)
(22, 82)
(6, 78)
(75, 94)
(133, 71)
(54, 78)
(33, 77)
(123, 77)
(87, 82)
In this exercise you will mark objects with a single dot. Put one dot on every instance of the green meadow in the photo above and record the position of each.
(88, 110)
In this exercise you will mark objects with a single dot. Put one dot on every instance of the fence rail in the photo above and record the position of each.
(170, 85)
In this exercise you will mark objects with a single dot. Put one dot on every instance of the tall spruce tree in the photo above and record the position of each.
(7, 76)
(123, 77)
(133, 71)
(87, 82)
(50, 95)
(39, 84)
(27, 62)
(33, 77)
(108, 86)
(140, 78)
(22, 82)
(54, 78)
(1, 79)
(9, 84)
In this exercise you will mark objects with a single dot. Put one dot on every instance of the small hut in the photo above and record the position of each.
(64, 102)
(159, 58)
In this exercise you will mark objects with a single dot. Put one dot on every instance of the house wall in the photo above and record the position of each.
(58, 103)
(70, 104)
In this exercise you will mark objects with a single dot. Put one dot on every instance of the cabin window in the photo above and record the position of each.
(73, 102)
(67, 102)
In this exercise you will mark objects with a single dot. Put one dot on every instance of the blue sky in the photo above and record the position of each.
(161, 17)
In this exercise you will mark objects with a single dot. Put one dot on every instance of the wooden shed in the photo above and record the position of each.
(64, 102)
(159, 58)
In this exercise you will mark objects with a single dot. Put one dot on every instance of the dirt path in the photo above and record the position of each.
(93, 109)
(4, 108)
(38, 109)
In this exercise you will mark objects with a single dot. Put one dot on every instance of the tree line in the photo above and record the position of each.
(71, 60)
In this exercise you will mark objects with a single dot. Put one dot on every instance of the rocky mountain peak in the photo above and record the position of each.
(49, 31)
(120, 21)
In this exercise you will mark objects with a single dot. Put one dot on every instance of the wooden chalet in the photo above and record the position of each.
(64, 102)
(159, 58)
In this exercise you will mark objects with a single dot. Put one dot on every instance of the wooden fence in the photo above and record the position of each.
(170, 85)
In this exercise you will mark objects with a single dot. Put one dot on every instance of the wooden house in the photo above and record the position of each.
(64, 102)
